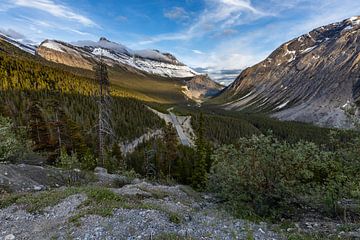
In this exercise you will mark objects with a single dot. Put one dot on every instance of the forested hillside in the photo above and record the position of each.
(59, 108)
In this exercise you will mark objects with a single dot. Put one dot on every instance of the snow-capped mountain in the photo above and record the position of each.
(313, 78)
(85, 53)
(23, 44)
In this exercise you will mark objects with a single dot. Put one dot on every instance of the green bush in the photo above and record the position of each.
(262, 176)
(68, 162)
(13, 143)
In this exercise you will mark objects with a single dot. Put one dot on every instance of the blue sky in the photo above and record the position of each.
(216, 34)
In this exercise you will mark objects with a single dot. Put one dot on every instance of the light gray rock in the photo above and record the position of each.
(313, 78)
(9, 237)
(24, 177)
(106, 179)
(163, 204)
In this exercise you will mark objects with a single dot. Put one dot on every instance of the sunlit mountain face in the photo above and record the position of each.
(221, 36)
(224, 77)
(179, 119)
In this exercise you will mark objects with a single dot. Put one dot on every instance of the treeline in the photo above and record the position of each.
(59, 108)
(225, 127)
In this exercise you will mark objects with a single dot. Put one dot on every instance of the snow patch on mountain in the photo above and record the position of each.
(23, 44)
(308, 49)
(148, 65)
(355, 20)
(52, 45)
(149, 61)
(282, 105)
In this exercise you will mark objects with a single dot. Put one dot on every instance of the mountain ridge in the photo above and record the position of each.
(134, 71)
(147, 61)
(313, 78)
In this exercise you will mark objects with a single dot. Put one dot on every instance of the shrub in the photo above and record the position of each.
(13, 143)
(68, 162)
(88, 161)
(263, 177)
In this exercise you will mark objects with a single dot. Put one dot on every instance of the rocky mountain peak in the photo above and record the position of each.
(104, 39)
(312, 78)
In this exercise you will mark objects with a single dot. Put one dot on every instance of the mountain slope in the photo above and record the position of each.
(146, 61)
(23, 46)
(147, 75)
(201, 87)
(158, 75)
(313, 78)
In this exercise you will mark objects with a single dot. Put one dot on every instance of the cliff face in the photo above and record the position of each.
(66, 55)
(313, 78)
(201, 87)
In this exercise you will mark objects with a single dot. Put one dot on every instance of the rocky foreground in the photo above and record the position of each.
(137, 210)
(34, 205)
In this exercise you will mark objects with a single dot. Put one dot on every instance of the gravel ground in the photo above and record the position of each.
(197, 217)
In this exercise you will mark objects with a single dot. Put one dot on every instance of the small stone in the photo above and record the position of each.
(9, 237)
(100, 170)
(38, 188)
(182, 232)
(136, 181)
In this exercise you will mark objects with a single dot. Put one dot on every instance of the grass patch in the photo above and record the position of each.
(191, 192)
(156, 193)
(37, 202)
(249, 233)
(175, 218)
(100, 201)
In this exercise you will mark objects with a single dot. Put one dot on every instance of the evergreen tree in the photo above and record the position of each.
(170, 151)
(118, 157)
(199, 177)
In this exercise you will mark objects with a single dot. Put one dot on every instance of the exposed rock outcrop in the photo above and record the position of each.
(150, 212)
(64, 54)
(313, 78)
(201, 87)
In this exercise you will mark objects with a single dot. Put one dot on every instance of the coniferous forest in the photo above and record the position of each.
(259, 167)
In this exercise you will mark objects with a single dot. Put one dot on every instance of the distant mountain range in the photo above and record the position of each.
(313, 78)
(26, 46)
(222, 76)
(85, 54)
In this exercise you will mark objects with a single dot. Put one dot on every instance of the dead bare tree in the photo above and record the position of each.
(104, 105)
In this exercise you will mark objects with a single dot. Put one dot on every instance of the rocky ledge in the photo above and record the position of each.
(139, 210)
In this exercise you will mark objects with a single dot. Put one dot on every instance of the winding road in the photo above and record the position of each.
(180, 131)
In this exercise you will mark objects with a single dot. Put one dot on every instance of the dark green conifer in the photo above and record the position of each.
(199, 177)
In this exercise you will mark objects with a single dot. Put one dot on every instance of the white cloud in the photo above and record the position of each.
(219, 15)
(177, 13)
(55, 9)
(197, 51)
(249, 48)
(12, 33)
